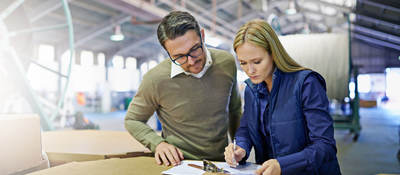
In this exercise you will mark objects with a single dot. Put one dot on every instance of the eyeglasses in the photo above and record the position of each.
(193, 52)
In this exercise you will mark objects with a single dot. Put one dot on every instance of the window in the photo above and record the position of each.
(118, 62)
(131, 63)
(87, 58)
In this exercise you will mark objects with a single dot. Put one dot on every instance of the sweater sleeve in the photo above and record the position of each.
(322, 146)
(242, 135)
(141, 108)
(235, 107)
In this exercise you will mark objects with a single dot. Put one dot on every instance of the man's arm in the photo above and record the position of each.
(235, 106)
(140, 110)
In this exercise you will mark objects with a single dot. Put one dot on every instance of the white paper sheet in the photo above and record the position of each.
(185, 169)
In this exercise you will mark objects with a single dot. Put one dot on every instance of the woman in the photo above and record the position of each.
(285, 116)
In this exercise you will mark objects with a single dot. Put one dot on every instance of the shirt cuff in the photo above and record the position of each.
(292, 163)
(155, 141)
(247, 148)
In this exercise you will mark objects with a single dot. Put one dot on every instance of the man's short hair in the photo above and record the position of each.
(176, 24)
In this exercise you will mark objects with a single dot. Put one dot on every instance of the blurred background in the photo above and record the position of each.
(77, 64)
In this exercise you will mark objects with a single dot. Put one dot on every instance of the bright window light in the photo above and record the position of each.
(241, 76)
(65, 61)
(87, 58)
(212, 39)
(41, 79)
(46, 53)
(152, 64)
(144, 68)
(161, 57)
(364, 83)
(392, 84)
(131, 63)
(101, 59)
(118, 62)
(4, 42)
(352, 87)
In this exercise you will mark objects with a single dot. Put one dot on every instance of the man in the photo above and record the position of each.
(194, 94)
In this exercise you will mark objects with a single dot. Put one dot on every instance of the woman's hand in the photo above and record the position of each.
(270, 167)
(233, 157)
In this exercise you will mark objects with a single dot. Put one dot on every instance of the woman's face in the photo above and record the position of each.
(256, 62)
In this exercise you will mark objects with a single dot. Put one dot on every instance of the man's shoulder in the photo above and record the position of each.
(223, 59)
(221, 54)
(159, 72)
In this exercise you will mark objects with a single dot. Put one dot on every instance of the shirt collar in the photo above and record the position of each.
(262, 87)
(176, 70)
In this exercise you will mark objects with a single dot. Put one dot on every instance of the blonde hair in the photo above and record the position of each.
(260, 33)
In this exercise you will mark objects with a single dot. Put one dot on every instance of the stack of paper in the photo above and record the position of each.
(185, 169)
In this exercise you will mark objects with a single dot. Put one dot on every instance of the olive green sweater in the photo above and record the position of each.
(195, 113)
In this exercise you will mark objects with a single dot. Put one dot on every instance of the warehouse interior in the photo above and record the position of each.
(75, 65)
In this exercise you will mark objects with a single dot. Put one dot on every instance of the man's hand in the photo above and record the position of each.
(168, 154)
(232, 157)
(270, 167)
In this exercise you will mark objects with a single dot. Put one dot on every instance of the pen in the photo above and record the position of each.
(195, 166)
(233, 156)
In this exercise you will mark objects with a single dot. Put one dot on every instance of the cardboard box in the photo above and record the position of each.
(367, 103)
(129, 166)
(20, 148)
(85, 145)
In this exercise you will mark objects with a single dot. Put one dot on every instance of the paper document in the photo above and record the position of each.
(185, 169)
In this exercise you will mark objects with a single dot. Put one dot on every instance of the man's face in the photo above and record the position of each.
(187, 44)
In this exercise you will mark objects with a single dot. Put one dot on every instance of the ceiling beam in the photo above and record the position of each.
(376, 41)
(378, 34)
(90, 6)
(335, 6)
(85, 36)
(246, 18)
(134, 45)
(75, 20)
(136, 8)
(306, 10)
(382, 6)
(378, 22)
(227, 33)
(44, 9)
(226, 4)
(206, 12)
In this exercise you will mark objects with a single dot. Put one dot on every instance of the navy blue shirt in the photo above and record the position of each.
(311, 149)
(312, 88)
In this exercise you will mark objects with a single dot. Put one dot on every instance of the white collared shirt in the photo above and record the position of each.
(176, 70)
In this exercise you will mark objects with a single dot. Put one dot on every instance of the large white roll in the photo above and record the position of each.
(328, 54)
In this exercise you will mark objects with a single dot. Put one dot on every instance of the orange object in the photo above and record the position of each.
(80, 98)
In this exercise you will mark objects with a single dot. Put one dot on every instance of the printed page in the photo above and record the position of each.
(185, 169)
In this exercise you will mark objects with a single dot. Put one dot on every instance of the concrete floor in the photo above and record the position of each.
(374, 152)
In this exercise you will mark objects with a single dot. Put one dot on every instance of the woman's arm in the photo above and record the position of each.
(242, 134)
(319, 124)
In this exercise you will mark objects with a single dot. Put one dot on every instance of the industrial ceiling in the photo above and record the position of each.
(375, 23)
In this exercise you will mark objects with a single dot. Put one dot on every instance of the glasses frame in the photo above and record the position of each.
(186, 55)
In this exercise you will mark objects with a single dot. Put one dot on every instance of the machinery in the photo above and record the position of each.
(16, 55)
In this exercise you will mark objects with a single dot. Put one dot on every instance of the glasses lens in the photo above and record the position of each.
(180, 60)
(196, 52)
